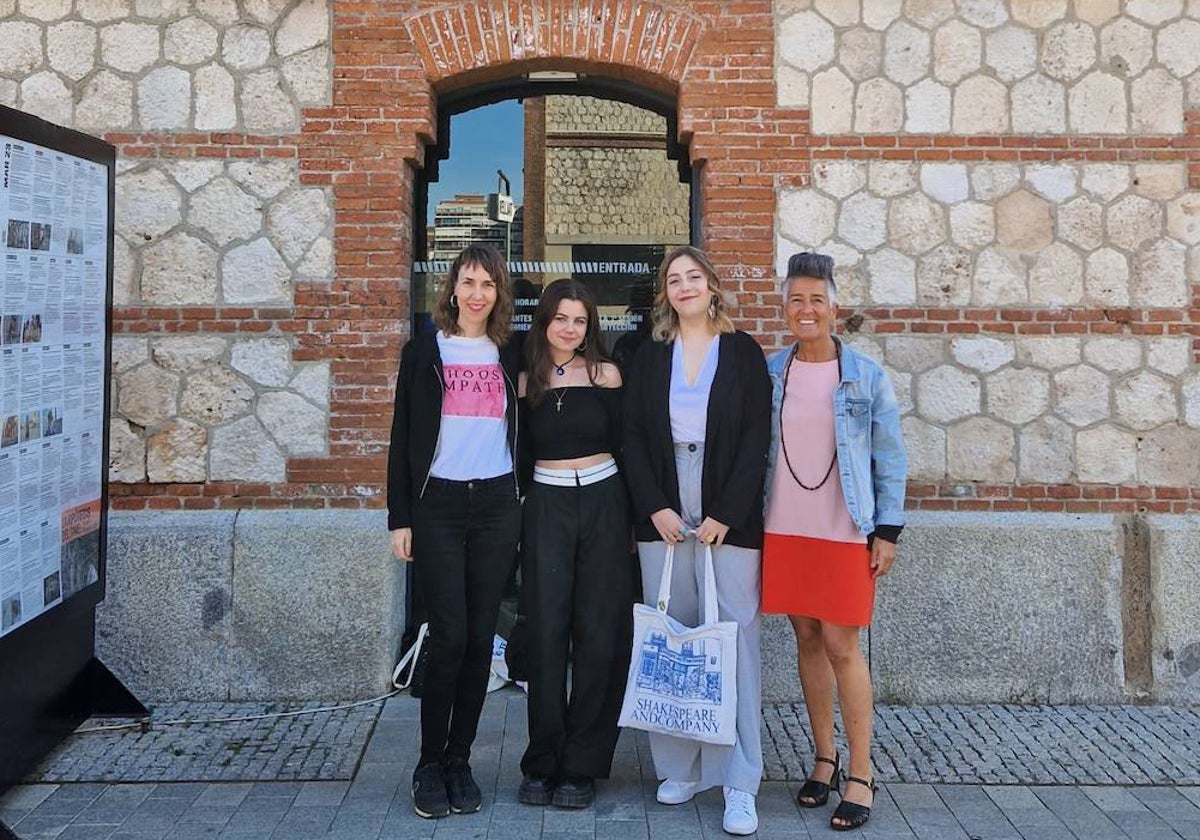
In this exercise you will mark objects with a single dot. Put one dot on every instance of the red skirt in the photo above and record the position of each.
(823, 579)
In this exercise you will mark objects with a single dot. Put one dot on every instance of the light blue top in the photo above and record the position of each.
(872, 463)
(689, 403)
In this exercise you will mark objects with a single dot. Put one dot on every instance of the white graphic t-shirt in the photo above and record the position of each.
(474, 437)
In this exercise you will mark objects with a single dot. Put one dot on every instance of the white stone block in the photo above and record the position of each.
(914, 353)
(1039, 106)
(128, 353)
(1157, 103)
(129, 47)
(863, 221)
(148, 395)
(8, 93)
(297, 425)
(792, 86)
(1096, 12)
(267, 361)
(225, 212)
(1106, 455)
(906, 53)
(313, 383)
(927, 108)
(126, 453)
(1159, 277)
(147, 205)
(980, 449)
(71, 48)
(929, 13)
(266, 179)
(980, 106)
(124, 273)
(1115, 355)
(186, 353)
(1081, 395)
(1191, 400)
(1169, 457)
(1183, 218)
(1106, 278)
(1154, 12)
(255, 273)
(222, 12)
(1169, 355)
(944, 277)
(832, 110)
(925, 445)
(1079, 222)
(806, 41)
(1023, 221)
(984, 13)
(1178, 47)
(102, 11)
(972, 224)
(806, 217)
(179, 269)
(1134, 221)
(160, 9)
(45, 10)
(296, 219)
(190, 41)
(266, 107)
(1012, 52)
(946, 394)
(982, 353)
(945, 182)
(305, 26)
(1018, 395)
(839, 12)
(245, 47)
(1056, 277)
(45, 95)
(839, 178)
(888, 178)
(860, 53)
(216, 395)
(1048, 352)
(265, 11)
(216, 109)
(990, 181)
(1046, 449)
(318, 262)
(1096, 105)
(178, 454)
(242, 451)
(1037, 14)
(1055, 181)
(1068, 49)
(881, 13)
(957, 52)
(1106, 181)
(164, 98)
(916, 224)
(1126, 47)
(1162, 181)
(1145, 400)
(893, 277)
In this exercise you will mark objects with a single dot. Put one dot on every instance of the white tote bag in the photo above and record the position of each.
(683, 680)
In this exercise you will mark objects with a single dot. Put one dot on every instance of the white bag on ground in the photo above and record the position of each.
(683, 680)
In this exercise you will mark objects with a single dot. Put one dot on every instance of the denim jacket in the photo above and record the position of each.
(872, 464)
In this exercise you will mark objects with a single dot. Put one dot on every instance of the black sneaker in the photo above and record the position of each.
(575, 792)
(429, 792)
(536, 790)
(464, 794)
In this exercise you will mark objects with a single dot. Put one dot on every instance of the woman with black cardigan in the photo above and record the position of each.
(697, 430)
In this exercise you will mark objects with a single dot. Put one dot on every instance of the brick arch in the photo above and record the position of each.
(644, 42)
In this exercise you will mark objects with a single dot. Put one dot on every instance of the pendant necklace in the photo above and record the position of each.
(561, 370)
(559, 393)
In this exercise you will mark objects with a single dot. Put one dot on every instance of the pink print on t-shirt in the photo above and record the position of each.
(473, 391)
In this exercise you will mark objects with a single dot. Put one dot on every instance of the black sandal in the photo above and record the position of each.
(852, 814)
(814, 794)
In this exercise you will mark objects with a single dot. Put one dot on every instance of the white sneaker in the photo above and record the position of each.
(671, 792)
(740, 814)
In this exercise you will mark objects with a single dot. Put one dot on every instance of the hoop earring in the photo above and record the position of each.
(581, 347)
(453, 301)
(713, 306)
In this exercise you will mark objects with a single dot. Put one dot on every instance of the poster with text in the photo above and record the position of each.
(53, 283)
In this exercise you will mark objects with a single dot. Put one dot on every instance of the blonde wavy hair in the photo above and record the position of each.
(664, 318)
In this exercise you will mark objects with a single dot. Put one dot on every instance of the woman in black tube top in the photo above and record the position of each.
(576, 577)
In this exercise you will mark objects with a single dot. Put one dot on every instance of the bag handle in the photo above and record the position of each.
(710, 584)
(410, 655)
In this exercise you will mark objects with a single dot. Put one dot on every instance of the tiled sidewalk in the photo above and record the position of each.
(376, 803)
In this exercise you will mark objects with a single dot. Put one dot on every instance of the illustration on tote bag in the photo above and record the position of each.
(692, 673)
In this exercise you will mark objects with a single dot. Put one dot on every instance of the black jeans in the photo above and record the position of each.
(464, 544)
(577, 581)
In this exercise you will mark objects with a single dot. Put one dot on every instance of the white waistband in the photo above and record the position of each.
(576, 478)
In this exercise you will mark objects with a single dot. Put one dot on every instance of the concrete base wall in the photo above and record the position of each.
(253, 605)
(980, 608)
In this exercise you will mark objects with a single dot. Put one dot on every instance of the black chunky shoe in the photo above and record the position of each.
(575, 792)
(461, 789)
(814, 794)
(536, 790)
(851, 814)
(429, 792)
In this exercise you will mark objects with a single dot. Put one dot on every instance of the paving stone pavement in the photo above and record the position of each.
(964, 749)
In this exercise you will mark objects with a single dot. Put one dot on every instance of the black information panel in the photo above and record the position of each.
(56, 234)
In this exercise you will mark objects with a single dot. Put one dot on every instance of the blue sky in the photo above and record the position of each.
(482, 141)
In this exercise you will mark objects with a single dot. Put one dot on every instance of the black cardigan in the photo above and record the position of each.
(737, 437)
(417, 419)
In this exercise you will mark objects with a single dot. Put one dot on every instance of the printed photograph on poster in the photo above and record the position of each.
(31, 426)
(10, 333)
(81, 547)
(10, 431)
(10, 611)
(75, 240)
(18, 233)
(51, 589)
(51, 421)
(39, 237)
(31, 332)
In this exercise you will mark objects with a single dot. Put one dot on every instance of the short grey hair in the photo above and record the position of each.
(810, 264)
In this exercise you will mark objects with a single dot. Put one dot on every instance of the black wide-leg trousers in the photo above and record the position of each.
(464, 544)
(577, 581)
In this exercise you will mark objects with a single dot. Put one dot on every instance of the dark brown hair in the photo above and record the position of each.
(486, 257)
(537, 348)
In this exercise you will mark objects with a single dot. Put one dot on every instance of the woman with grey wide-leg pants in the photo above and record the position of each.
(696, 432)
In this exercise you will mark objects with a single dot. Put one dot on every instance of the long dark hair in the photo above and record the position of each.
(499, 322)
(537, 348)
